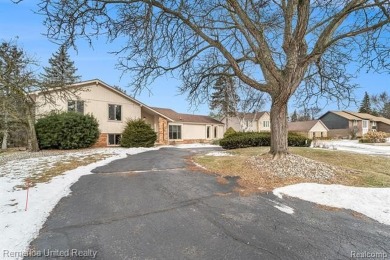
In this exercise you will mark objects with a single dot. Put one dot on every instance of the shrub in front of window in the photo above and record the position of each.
(138, 134)
(68, 130)
(253, 139)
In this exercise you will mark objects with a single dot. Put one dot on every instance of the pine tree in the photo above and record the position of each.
(365, 106)
(224, 98)
(294, 116)
(61, 71)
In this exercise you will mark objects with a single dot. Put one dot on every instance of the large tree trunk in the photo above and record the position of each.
(279, 131)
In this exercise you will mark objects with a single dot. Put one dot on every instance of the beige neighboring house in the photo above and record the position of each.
(113, 108)
(344, 123)
(249, 122)
(311, 129)
(188, 128)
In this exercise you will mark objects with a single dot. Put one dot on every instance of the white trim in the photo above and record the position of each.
(181, 132)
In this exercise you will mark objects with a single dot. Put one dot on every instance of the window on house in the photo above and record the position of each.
(175, 132)
(322, 134)
(115, 112)
(76, 106)
(215, 131)
(114, 139)
(266, 124)
(354, 123)
(365, 123)
(208, 129)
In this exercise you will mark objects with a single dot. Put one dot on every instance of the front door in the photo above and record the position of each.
(365, 127)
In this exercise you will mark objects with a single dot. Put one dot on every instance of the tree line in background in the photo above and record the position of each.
(18, 80)
(377, 105)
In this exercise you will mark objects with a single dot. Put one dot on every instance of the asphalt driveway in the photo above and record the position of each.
(156, 205)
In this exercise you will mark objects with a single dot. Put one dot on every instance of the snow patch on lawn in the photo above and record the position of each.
(353, 146)
(19, 227)
(372, 202)
(219, 154)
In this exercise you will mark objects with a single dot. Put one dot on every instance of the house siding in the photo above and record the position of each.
(333, 121)
(383, 127)
(96, 100)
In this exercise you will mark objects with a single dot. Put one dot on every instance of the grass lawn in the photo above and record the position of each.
(352, 169)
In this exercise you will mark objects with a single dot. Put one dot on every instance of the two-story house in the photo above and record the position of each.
(113, 108)
(249, 122)
(346, 123)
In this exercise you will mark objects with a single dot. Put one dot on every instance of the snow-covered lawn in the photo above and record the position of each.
(372, 202)
(354, 146)
(18, 227)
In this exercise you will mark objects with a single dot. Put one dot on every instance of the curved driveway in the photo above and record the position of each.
(156, 205)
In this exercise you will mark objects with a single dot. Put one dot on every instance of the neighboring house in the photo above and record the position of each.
(188, 128)
(112, 108)
(249, 122)
(311, 129)
(346, 123)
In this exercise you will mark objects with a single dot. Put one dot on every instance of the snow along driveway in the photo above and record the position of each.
(372, 202)
(18, 227)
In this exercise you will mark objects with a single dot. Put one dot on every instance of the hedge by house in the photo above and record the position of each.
(229, 131)
(138, 134)
(68, 130)
(253, 139)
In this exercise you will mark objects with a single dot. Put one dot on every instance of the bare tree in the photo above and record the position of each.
(274, 46)
(16, 82)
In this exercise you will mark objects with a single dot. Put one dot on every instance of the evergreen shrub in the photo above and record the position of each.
(138, 134)
(68, 130)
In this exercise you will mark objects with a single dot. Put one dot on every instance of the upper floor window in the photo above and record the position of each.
(115, 112)
(265, 123)
(76, 106)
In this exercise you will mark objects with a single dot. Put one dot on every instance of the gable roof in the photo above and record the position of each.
(105, 85)
(342, 114)
(359, 116)
(188, 118)
(254, 115)
(304, 126)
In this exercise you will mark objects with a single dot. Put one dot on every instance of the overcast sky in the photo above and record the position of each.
(19, 22)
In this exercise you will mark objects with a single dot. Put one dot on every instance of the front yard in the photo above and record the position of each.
(335, 179)
(337, 167)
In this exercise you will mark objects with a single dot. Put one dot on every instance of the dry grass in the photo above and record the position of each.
(352, 169)
(61, 167)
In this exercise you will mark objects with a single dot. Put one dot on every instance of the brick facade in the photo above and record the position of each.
(102, 141)
(162, 135)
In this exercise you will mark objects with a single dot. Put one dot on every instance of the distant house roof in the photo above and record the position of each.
(304, 126)
(249, 116)
(188, 118)
(359, 116)
(343, 114)
(253, 115)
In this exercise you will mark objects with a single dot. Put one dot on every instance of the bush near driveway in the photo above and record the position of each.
(138, 134)
(254, 139)
(374, 137)
(68, 130)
